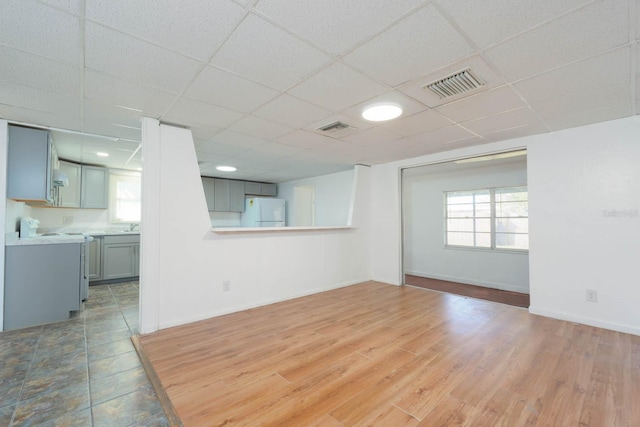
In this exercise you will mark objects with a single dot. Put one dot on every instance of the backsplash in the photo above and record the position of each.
(224, 219)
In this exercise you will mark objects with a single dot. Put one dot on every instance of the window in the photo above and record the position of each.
(125, 196)
(493, 218)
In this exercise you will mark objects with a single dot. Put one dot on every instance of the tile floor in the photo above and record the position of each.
(81, 372)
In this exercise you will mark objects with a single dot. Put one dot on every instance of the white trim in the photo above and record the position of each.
(230, 230)
(150, 231)
(561, 315)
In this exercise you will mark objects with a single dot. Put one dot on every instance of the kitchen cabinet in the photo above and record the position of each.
(208, 184)
(260, 189)
(94, 187)
(95, 258)
(228, 195)
(69, 196)
(121, 256)
(29, 165)
(223, 195)
(45, 294)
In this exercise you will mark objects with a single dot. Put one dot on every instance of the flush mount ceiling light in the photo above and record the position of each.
(226, 168)
(102, 154)
(381, 111)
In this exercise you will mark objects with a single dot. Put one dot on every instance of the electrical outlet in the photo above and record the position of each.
(592, 295)
(67, 220)
(226, 286)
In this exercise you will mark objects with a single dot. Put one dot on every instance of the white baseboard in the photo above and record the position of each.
(466, 281)
(209, 315)
(561, 315)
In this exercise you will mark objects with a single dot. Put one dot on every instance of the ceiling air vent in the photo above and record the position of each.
(455, 84)
(334, 127)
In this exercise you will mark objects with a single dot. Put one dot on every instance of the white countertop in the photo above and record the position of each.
(46, 240)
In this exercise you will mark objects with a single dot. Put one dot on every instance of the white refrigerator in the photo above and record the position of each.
(263, 212)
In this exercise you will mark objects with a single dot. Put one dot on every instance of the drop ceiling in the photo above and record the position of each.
(254, 80)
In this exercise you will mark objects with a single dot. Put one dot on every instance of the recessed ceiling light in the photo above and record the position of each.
(102, 154)
(226, 168)
(381, 111)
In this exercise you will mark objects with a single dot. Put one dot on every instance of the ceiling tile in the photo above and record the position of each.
(70, 6)
(414, 46)
(305, 139)
(335, 25)
(227, 90)
(237, 139)
(261, 128)
(593, 116)
(563, 40)
(108, 90)
(591, 73)
(372, 136)
(475, 63)
(484, 104)
(134, 60)
(355, 123)
(490, 21)
(176, 25)
(515, 132)
(415, 124)
(97, 112)
(264, 53)
(291, 111)
(575, 103)
(39, 72)
(39, 29)
(39, 100)
(220, 149)
(100, 127)
(337, 87)
(342, 152)
(277, 149)
(441, 136)
(42, 118)
(501, 121)
(191, 112)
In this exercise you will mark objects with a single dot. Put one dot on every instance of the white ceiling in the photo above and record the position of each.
(254, 79)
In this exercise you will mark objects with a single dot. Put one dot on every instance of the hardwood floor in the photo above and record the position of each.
(495, 295)
(376, 354)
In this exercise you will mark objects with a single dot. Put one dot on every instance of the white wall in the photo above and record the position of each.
(423, 209)
(82, 219)
(577, 178)
(183, 272)
(573, 176)
(14, 212)
(332, 197)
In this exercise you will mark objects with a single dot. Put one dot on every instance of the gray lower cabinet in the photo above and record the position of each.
(120, 257)
(95, 258)
(42, 283)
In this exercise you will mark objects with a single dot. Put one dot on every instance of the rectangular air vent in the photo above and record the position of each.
(455, 84)
(334, 127)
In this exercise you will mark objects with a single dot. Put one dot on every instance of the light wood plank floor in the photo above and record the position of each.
(376, 354)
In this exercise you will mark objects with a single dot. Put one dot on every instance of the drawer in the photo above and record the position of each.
(125, 238)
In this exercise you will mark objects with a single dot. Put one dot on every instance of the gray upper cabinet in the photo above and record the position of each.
(269, 189)
(29, 169)
(208, 184)
(95, 187)
(229, 195)
(69, 196)
(260, 189)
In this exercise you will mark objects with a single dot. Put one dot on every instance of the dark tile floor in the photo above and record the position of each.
(81, 372)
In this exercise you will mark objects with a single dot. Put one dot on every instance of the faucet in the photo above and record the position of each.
(134, 226)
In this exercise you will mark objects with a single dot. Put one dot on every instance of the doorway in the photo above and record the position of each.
(465, 227)
(304, 206)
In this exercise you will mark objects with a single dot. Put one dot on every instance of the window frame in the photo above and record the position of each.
(113, 199)
(492, 223)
